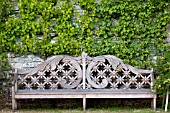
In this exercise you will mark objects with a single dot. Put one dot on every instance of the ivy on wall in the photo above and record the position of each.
(5, 12)
(132, 30)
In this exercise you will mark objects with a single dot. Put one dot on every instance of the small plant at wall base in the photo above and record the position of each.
(4, 66)
(163, 74)
(4, 80)
(5, 12)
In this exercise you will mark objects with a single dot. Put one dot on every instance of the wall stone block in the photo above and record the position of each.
(24, 61)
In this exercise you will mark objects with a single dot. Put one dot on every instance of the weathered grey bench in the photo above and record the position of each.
(83, 77)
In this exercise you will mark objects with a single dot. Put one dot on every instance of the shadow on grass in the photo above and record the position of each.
(93, 106)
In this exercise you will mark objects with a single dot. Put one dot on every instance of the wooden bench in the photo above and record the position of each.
(83, 77)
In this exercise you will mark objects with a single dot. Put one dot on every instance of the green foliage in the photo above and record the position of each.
(5, 10)
(163, 69)
(132, 30)
(162, 66)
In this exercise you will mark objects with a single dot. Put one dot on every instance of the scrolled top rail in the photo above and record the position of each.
(50, 63)
(108, 71)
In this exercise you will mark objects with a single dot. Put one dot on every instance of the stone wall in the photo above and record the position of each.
(24, 61)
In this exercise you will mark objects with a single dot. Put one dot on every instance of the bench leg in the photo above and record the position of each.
(14, 105)
(153, 103)
(84, 103)
(14, 101)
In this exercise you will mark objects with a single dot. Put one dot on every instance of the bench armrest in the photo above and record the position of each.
(152, 79)
(15, 77)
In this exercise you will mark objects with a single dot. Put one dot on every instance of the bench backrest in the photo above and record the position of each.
(84, 72)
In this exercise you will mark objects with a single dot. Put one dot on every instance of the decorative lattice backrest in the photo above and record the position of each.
(66, 72)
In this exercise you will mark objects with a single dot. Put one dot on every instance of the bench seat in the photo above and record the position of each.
(86, 91)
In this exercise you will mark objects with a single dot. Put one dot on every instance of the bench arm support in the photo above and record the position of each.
(15, 77)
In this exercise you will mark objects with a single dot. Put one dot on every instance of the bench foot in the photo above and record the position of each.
(14, 105)
(153, 104)
(166, 103)
(84, 103)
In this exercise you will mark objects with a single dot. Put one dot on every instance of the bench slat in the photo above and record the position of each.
(88, 91)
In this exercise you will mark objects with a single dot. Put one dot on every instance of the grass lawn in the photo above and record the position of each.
(79, 110)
